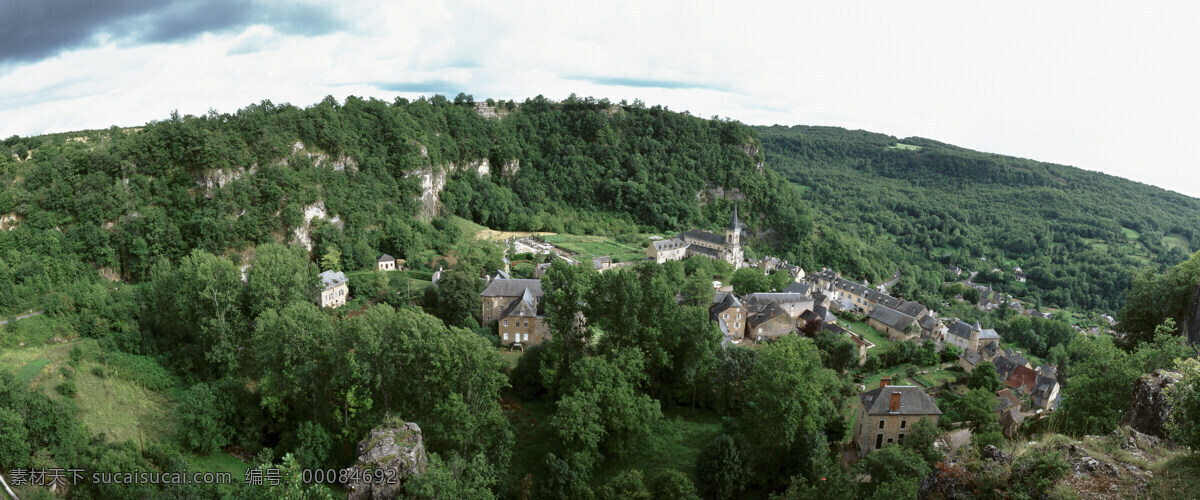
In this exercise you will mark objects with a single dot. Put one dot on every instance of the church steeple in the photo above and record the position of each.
(734, 230)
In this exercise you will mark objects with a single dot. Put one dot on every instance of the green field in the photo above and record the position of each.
(467, 227)
(866, 331)
(1130, 233)
(587, 247)
(510, 357)
(802, 189)
(1175, 240)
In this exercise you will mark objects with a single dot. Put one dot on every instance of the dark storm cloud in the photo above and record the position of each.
(35, 30)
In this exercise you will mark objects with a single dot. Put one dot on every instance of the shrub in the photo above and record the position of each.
(76, 356)
(67, 388)
(1035, 473)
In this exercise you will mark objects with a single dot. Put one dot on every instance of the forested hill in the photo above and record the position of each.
(381, 173)
(1076, 234)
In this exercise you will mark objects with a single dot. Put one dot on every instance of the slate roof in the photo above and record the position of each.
(669, 244)
(823, 313)
(1043, 386)
(914, 309)
(512, 288)
(499, 275)
(525, 308)
(800, 288)
(961, 329)
(913, 401)
(703, 236)
(972, 357)
(768, 313)
(330, 279)
(809, 316)
(728, 301)
(891, 317)
(988, 333)
(830, 327)
(928, 322)
(763, 298)
(990, 349)
(704, 250)
(385, 258)
(734, 225)
(1004, 367)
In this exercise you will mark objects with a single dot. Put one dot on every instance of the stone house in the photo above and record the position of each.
(1045, 392)
(794, 303)
(769, 323)
(669, 249)
(888, 412)
(968, 336)
(523, 323)
(897, 325)
(335, 290)
(501, 293)
(730, 314)
(969, 359)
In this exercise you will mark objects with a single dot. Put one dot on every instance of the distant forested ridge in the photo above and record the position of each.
(1076, 234)
(117, 199)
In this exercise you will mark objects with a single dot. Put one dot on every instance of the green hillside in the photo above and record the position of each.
(1076, 234)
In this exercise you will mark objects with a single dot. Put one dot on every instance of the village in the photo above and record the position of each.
(891, 398)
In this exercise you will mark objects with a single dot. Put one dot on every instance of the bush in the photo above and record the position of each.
(67, 388)
(76, 356)
(1035, 473)
(98, 371)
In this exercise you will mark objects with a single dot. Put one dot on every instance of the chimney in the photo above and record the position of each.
(895, 404)
(884, 382)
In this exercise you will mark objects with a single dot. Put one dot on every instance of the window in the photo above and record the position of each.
(890, 440)
(506, 322)
(878, 441)
(506, 336)
(903, 423)
(880, 424)
(725, 316)
(760, 331)
(527, 337)
(526, 323)
(900, 439)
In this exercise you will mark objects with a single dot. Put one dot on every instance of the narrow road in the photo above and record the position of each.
(21, 317)
(895, 279)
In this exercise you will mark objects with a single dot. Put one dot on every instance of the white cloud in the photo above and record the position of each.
(1108, 89)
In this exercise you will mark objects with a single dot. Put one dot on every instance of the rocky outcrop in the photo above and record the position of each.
(303, 234)
(222, 176)
(712, 193)
(392, 446)
(1190, 326)
(1149, 408)
(433, 179)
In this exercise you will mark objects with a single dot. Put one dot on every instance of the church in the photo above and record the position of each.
(703, 243)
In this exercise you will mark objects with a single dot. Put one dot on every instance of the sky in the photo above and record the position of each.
(1100, 85)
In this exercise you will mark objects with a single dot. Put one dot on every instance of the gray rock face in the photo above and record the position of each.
(386, 448)
(1191, 318)
(1149, 408)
